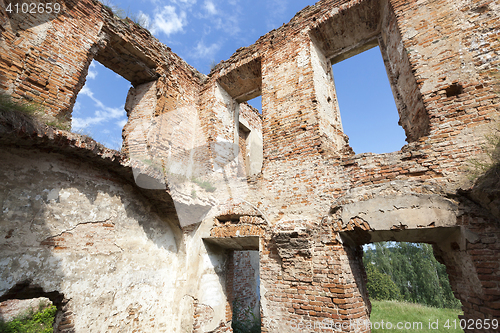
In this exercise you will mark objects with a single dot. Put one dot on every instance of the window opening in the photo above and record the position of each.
(256, 103)
(243, 156)
(99, 108)
(19, 305)
(368, 110)
(250, 141)
(401, 273)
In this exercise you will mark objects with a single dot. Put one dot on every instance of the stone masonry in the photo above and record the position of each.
(143, 240)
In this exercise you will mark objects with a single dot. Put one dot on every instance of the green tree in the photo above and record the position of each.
(419, 277)
(380, 286)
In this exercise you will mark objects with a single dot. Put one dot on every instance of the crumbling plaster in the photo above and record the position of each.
(75, 230)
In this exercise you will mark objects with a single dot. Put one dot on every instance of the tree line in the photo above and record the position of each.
(407, 272)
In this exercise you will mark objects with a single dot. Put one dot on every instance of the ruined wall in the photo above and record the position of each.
(448, 100)
(72, 229)
(307, 207)
(44, 57)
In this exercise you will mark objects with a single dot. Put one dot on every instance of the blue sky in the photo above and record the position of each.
(204, 32)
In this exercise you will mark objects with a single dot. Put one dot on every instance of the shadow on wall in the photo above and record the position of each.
(485, 190)
(199, 175)
(355, 255)
(16, 14)
(29, 268)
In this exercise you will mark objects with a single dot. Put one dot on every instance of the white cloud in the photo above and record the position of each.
(230, 25)
(121, 123)
(226, 19)
(78, 124)
(168, 21)
(210, 7)
(143, 19)
(102, 114)
(86, 91)
(185, 2)
(203, 51)
(77, 107)
(92, 73)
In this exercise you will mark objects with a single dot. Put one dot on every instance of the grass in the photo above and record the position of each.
(491, 148)
(29, 110)
(207, 186)
(410, 314)
(31, 322)
(58, 125)
(139, 20)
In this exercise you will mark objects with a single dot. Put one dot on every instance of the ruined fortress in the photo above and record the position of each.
(144, 240)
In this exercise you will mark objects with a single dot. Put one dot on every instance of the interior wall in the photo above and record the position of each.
(82, 232)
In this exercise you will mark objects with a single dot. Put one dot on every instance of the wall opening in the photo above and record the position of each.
(243, 157)
(24, 300)
(245, 284)
(26, 313)
(99, 110)
(454, 90)
(367, 106)
(250, 140)
(244, 85)
(241, 275)
(401, 273)
(361, 27)
(256, 103)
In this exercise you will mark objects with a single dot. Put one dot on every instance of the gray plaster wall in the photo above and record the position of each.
(86, 233)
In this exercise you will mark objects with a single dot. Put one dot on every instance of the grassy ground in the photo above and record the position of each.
(409, 314)
(31, 322)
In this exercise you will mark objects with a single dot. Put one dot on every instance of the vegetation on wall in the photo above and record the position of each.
(24, 111)
(29, 109)
(31, 322)
(491, 163)
(244, 320)
(408, 272)
(138, 19)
